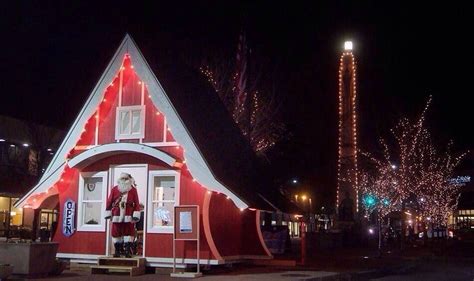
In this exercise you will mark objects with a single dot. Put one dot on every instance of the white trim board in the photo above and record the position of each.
(195, 161)
(149, 220)
(167, 261)
(150, 260)
(81, 227)
(105, 150)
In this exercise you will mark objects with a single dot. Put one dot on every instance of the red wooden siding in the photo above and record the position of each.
(131, 95)
(153, 122)
(91, 243)
(107, 113)
(131, 89)
(157, 245)
(88, 134)
(234, 231)
(160, 245)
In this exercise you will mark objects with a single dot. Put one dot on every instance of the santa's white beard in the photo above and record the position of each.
(124, 185)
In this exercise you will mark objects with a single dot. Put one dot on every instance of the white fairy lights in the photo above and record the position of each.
(424, 174)
(347, 175)
(95, 115)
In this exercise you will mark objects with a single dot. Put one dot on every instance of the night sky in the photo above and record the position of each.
(52, 54)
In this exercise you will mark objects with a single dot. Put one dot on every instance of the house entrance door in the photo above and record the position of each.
(140, 173)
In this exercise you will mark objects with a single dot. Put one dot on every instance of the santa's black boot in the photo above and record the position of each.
(122, 249)
(128, 253)
(118, 249)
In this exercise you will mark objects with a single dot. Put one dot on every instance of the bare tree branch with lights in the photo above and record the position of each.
(396, 182)
(438, 195)
(253, 108)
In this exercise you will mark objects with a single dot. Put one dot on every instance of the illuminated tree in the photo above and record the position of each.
(379, 189)
(412, 168)
(399, 172)
(438, 195)
(254, 108)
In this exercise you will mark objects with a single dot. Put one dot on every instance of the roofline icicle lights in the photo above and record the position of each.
(95, 117)
(347, 174)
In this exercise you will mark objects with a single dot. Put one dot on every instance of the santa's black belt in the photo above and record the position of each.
(123, 205)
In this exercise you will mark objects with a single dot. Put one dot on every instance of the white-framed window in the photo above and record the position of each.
(91, 201)
(130, 122)
(163, 195)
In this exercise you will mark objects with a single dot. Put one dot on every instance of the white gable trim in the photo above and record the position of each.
(195, 161)
(105, 150)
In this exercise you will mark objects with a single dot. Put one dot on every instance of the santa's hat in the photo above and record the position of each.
(125, 176)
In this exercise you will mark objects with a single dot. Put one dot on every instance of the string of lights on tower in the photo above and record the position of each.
(347, 172)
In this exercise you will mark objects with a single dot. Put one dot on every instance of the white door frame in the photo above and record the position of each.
(109, 188)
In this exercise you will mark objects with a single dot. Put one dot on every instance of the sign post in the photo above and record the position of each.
(186, 228)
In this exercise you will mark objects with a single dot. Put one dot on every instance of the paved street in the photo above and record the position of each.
(419, 270)
(274, 276)
(435, 270)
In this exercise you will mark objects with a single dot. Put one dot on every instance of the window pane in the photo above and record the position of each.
(136, 121)
(91, 213)
(125, 122)
(163, 214)
(93, 188)
(163, 188)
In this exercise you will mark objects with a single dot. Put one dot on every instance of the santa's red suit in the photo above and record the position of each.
(123, 208)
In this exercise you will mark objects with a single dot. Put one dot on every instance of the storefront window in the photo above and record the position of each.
(92, 192)
(10, 217)
(164, 196)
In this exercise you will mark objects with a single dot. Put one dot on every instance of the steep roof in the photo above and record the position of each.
(227, 153)
(216, 153)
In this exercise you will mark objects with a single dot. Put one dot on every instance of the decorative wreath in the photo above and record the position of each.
(91, 186)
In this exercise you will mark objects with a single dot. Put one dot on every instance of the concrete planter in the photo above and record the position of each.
(5, 271)
(31, 259)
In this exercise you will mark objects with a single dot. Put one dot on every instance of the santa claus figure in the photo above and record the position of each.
(123, 209)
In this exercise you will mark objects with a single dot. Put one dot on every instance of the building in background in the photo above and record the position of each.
(25, 151)
(463, 217)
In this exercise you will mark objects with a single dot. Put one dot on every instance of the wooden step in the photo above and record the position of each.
(103, 269)
(135, 266)
(135, 261)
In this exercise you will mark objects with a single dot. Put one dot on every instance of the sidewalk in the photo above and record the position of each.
(334, 264)
(270, 276)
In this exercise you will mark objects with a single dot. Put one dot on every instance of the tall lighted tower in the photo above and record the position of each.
(347, 174)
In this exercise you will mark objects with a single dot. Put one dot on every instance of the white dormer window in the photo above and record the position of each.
(130, 122)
